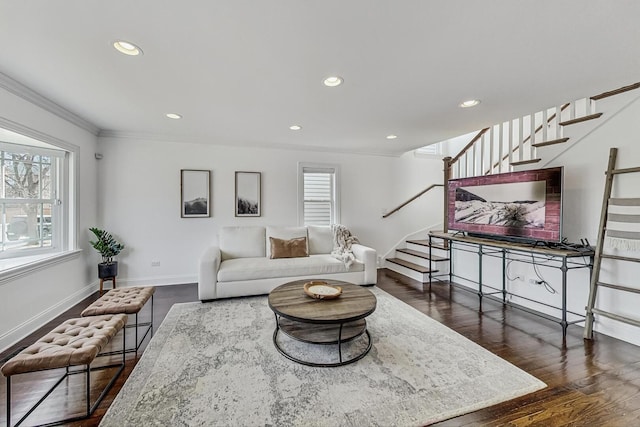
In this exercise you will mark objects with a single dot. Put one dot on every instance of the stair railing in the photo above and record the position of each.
(501, 147)
(515, 142)
(388, 214)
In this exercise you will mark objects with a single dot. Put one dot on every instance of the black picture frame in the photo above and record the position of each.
(195, 193)
(248, 195)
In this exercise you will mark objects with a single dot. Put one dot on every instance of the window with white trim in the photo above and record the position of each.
(34, 221)
(28, 189)
(319, 202)
(429, 150)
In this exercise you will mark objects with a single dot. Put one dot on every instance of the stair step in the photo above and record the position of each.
(424, 255)
(581, 119)
(616, 91)
(551, 142)
(410, 265)
(525, 162)
(426, 243)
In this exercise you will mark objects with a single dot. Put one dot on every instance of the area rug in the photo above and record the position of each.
(214, 364)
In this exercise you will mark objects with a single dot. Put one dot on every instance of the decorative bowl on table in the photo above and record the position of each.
(322, 290)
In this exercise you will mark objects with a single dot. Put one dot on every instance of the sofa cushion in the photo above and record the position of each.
(241, 242)
(265, 268)
(284, 233)
(292, 248)
(320, 239)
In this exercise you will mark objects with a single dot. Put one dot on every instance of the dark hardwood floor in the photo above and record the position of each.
(590, 383)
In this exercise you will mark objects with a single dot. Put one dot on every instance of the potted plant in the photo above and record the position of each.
(108, 248)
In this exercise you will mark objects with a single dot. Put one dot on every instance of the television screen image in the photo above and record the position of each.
(520, 205)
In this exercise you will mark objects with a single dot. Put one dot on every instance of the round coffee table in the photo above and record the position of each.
(322, 322)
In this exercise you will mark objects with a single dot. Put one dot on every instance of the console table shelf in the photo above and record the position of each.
(562, 258)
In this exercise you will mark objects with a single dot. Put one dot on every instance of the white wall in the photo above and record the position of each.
(28, 301)
(140, 199)
(584, 166)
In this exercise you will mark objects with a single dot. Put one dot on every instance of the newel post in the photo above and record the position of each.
(447, 176)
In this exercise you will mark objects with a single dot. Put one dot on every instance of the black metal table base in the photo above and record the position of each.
(339, 342)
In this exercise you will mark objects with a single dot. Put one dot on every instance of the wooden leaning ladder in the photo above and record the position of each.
(599, 255)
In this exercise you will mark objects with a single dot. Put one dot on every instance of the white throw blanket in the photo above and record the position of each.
(342, 241)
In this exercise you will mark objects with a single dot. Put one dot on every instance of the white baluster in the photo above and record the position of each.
(474, 159)
(491, 150)
(545, 126)
(532, 137)
(510, 144)
(500, 146)
(558, 120)
(482, 148)
(520, 139)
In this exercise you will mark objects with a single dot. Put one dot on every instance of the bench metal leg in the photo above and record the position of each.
(87, 371)
(138, 340)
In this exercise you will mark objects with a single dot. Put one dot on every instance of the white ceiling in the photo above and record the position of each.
(241, 72)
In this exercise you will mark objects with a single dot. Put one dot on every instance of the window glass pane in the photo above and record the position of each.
(317, 186)
(21, 178)
(28, 225)
(45, 181)
(28, 212)
(318, 198)
(317, 213)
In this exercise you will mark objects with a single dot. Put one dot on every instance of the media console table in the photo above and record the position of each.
(560, 258)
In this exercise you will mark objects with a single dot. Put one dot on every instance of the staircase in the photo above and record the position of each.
(517, 144)
(524, 141)
(421, 261)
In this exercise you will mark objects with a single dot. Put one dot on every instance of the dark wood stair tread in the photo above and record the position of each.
(551, 142)
(425, 242)
(616, 91)
(580, 119)
(424, 255)
(525, 162)
(410, 265)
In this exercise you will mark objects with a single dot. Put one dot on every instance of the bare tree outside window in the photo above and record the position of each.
(28, 199)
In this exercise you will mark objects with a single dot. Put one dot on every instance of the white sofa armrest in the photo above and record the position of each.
(209, 264)
(367, 256)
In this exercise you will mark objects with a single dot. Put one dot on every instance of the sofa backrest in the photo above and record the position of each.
(241, 242)
(253, 241)
(320, 239)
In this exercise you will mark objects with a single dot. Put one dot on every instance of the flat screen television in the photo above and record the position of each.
(525, 205)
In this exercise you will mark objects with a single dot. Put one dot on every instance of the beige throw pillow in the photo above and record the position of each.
(293, 248)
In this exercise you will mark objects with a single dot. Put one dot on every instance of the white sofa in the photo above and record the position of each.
(241, 265)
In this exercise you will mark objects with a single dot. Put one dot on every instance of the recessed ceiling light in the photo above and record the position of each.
(392, 136)
(470, 103)
(333, 81)
(295, 127)
(173, 116)
(127, 48)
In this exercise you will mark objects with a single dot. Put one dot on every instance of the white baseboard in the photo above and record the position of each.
(19, 332)
(156, 281)
(29, 326)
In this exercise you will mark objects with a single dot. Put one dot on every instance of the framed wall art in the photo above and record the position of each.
(195, 193)
(248, 194)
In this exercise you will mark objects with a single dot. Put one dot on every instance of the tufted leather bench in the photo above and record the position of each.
(128, 301)
(75, 342)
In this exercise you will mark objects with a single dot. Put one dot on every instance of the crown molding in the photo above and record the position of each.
(142, 136)
(35, 98)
